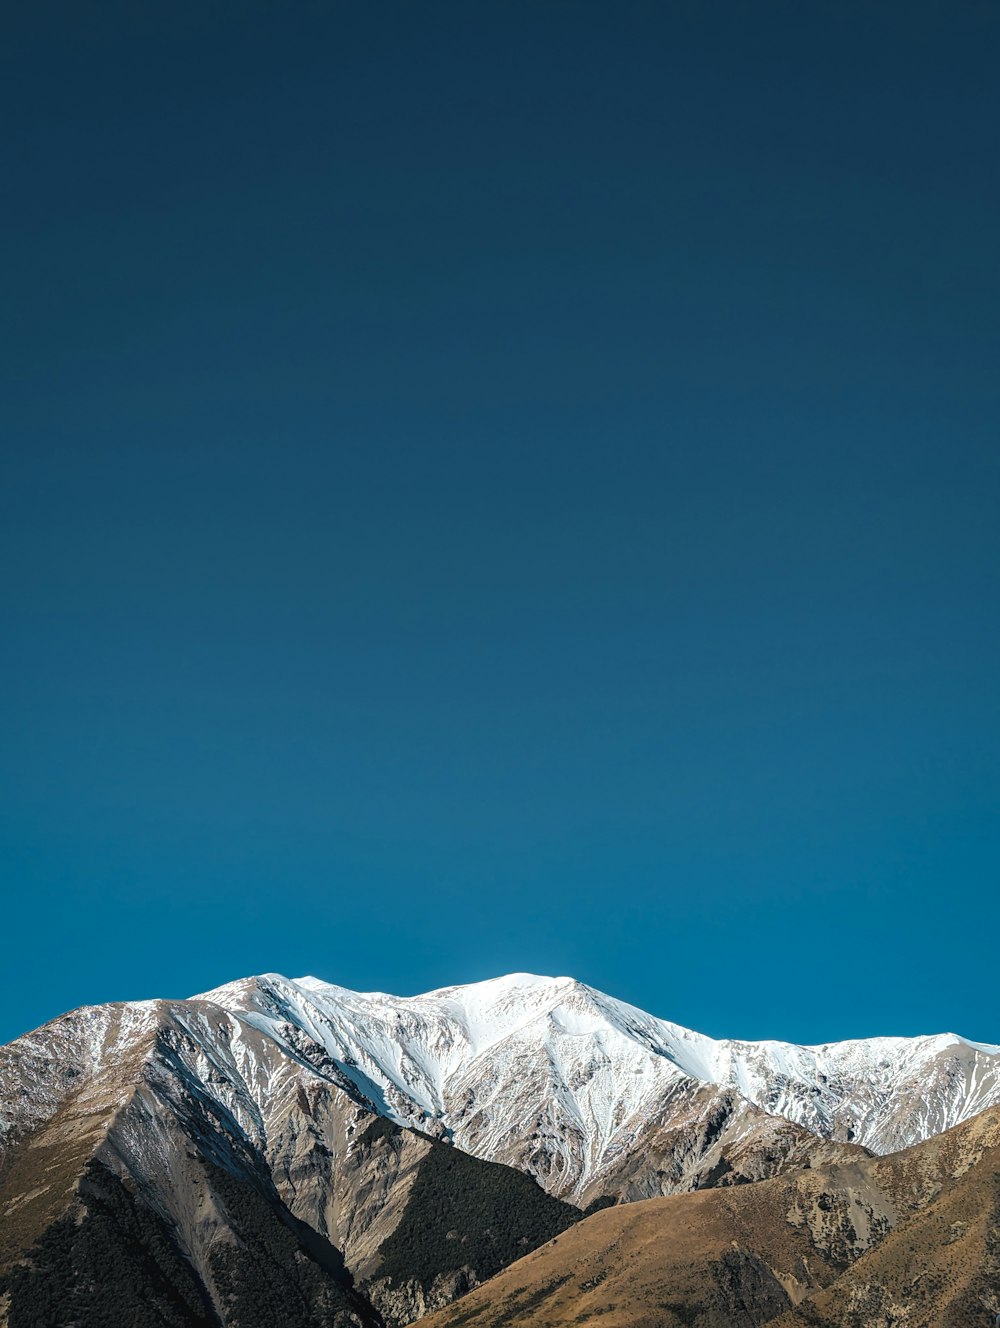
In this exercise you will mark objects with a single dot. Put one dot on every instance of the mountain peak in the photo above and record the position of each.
(552, 1075)
(483, 1058)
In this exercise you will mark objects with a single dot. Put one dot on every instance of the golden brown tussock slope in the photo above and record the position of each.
(940, 1266)
(909, 1240)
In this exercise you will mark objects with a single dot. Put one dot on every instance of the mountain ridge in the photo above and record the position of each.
(522, 976)
(604, 1069)
(565, 1082)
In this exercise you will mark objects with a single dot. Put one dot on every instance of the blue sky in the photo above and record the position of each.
(505, 486)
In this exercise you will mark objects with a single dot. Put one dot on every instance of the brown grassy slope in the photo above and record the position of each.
(906, 1240)
(725, 1258)
(940, 1266)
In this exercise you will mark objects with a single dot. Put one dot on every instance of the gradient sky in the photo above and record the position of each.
(505, 486)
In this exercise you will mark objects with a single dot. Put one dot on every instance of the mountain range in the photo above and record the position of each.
(292, 1152)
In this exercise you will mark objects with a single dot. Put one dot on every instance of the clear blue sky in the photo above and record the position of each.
(505, 486)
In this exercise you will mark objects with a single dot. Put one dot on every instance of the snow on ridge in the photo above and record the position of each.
(546, 1073)
(510, 983)
(559, 1046)
(526, 1067)
(480, 1014)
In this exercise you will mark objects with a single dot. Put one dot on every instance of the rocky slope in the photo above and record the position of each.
(226, 1183)
(939, 1264)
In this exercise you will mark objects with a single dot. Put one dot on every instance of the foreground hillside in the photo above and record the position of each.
(911, 1239)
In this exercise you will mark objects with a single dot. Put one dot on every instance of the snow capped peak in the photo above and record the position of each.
(482, 994)
(548, 1073)
(497, 1063)
(477, 1014)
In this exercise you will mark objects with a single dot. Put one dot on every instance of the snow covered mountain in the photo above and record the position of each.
(587, 1094)
(378, 1154)
(551, 1076)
